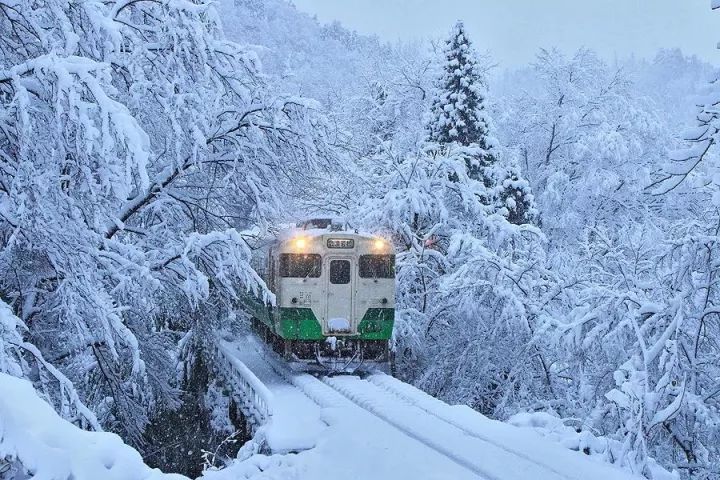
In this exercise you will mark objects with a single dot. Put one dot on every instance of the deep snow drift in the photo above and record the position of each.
(34, 439)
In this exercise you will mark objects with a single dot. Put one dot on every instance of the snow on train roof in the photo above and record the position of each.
(288, 231)
(317, 227)
(288, 234)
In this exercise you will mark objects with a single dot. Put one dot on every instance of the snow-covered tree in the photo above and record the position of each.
(465, 276)
(134, 142)
(637, 348)
(515, 199)
(587, 140)
(697, 163)
(459, 116)
(458, 113)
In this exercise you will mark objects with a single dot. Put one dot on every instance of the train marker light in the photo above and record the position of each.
(300, 243)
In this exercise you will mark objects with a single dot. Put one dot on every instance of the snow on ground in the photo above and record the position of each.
(380, 428)
(526, 446)
(354, 444)
(33, 438)
(295, 423)
(341, 427)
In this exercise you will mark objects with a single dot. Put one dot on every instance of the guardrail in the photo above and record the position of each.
(255, 398)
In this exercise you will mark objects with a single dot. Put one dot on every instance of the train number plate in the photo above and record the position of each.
(341, 243)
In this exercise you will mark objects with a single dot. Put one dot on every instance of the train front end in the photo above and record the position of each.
(335, 300)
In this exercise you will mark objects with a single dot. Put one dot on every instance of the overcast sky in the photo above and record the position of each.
(514, 29)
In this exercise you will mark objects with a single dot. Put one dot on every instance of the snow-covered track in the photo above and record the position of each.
(363, 435)
(463, 418)
(341, 385)
(474, 451)
(337, 397)
(380, 427)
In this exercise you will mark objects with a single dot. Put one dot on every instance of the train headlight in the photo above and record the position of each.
(300, 243)
(379, 244)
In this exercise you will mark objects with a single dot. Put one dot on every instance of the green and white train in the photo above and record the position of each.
(334, 297)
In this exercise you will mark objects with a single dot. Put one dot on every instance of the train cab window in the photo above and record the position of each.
(299, 265)
(377, 266)
(340, 272)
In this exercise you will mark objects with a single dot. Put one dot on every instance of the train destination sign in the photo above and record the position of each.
(341, 243)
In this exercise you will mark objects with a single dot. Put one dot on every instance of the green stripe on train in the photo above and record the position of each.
(301, 324)
(377, 324)
(298, 324)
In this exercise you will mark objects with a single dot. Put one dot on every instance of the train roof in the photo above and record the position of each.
(309, 228)
(317, 227)
(290, 233)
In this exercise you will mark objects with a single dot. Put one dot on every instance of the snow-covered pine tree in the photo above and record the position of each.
(458, 113)
(459, 117)
(515, 198)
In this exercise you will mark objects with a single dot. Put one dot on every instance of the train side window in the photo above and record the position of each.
(299, 265)
(273, 273)
(340, 272)
(377, 266)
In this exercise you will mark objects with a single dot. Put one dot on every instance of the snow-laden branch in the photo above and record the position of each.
(22, 359)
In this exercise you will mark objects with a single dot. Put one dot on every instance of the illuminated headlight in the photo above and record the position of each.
(300, 243)
(379, 244)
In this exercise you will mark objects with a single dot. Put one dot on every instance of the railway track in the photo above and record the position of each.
(323, 392)
(378, 414)
(424, 439)
(482, 456)
(433, 406)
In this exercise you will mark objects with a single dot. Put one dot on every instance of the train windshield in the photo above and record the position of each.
(377, 266)
(340, 272)
(299, 265)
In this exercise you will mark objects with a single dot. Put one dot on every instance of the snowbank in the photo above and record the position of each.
(599, 448)
(34, 439)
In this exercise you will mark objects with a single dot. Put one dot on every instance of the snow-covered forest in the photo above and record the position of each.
(556, 225)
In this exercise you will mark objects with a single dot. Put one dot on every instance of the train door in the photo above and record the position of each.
(339, 295)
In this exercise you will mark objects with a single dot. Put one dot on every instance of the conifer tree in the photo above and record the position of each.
(458, 111)
(459, 117)
(515, 198)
